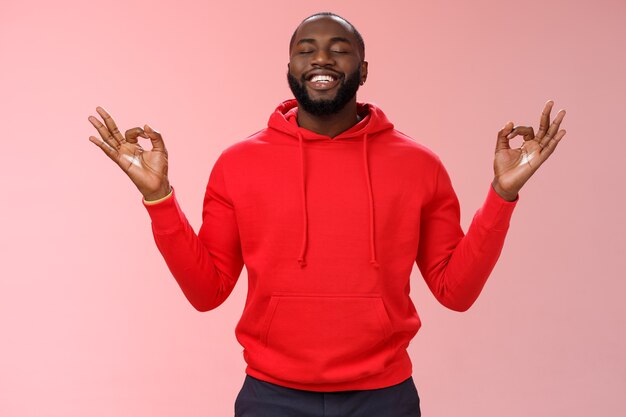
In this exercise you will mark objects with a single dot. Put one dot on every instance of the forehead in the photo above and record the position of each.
(320, 27)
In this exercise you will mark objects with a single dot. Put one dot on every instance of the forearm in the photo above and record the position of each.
(187, 257)
(192, 266)
(461, 279)
(456, 265)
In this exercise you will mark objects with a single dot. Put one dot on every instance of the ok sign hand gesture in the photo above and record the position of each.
(513, 167)
(146, 169)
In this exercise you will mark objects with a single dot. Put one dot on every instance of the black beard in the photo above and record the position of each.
(347, 90)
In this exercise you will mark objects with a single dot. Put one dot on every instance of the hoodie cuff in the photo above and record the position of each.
(165, 213)
(496, 212)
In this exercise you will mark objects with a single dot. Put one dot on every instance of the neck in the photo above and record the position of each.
(332, 124)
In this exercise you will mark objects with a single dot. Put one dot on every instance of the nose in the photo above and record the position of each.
(322, 57)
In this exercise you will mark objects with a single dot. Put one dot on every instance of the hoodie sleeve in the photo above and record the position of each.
(455, 265)
(207, 265)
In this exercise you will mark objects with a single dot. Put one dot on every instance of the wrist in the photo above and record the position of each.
(159, 194)
(505, 194)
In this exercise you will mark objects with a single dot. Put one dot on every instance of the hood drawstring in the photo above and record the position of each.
(305, 219)
(373, 260)
(301, 258)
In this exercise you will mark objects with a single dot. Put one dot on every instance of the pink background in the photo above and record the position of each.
(92, 322)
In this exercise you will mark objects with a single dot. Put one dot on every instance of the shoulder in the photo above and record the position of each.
(407, 147)
(246, 147)
(245, 144)
(415, 145)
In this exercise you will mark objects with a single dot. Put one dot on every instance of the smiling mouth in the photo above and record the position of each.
(322, 82)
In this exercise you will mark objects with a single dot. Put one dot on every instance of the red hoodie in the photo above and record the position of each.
(329, 230)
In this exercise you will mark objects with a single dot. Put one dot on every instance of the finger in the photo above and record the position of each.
(155, 138)
(131, 134)
(108, 120)
(544, 120)
(503, 142)
(108, 149)
(551, 146)
(554, 127)
(527, 131)
(104, 132)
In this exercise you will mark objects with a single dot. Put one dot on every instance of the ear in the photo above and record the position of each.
(363, 72)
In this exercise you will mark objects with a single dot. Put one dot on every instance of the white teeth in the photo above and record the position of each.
(322, 78)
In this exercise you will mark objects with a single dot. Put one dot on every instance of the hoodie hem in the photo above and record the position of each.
(396, 373)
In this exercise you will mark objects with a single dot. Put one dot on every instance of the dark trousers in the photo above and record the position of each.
(259, 398)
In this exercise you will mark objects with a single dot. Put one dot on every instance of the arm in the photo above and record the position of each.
(456, 265)
(207, 265)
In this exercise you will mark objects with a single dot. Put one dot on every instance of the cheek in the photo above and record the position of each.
(296, 68)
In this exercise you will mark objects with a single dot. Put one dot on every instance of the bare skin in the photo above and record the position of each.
(327, 43)
(146, 169)
(513, 167)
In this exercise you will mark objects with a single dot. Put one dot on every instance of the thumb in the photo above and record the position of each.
(155, 138)
(503, 141)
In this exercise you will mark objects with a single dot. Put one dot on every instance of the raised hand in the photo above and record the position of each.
(147, 169)
(513, 167)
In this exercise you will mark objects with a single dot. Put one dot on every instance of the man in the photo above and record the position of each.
(329, 207)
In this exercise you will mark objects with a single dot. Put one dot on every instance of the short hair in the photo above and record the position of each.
(357, 35)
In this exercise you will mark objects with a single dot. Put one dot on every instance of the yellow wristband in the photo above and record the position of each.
(160, 199)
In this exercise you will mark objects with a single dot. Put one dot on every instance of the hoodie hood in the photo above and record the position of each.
(373, 121)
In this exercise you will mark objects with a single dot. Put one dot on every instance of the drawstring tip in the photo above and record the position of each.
(374, 263)
(302, 262)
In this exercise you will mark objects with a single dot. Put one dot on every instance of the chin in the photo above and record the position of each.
(318, 99)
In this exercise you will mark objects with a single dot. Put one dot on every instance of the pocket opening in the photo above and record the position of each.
(332, 337)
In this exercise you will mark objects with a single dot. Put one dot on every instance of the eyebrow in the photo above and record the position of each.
(333, 40)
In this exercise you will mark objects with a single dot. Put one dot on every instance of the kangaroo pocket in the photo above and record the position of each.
(318, 338)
